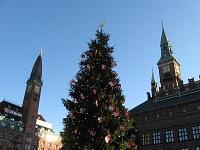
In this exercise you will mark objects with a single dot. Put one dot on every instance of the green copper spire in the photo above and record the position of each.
(166, 48)
(153, 80)
(164, 40)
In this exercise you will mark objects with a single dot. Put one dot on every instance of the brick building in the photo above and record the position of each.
(170, 117)
(19, 128)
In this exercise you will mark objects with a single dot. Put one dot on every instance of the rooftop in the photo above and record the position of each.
(185, 93)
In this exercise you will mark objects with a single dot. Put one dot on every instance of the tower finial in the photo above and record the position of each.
(41, 52)
(162, 25)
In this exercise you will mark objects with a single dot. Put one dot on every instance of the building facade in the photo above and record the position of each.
(170, 117)
(47, 138)
(19, 127)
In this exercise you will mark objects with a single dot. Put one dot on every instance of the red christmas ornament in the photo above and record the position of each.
(112, 83)
(115, 114)
(96, 103)
(111, 108)
(88, 66)
(96, 52)
(82, 96)
(94, 91)
(82, 110)
(72, 82)
(103, 67)
(122, 127)
(71, 115)
(75, 131)
(131, 144)
(127, 114)
(107, 138)
(100, 119)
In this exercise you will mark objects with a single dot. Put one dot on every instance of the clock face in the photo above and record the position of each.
(166, 68)
(37, 89)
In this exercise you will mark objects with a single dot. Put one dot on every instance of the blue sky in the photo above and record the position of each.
(63, 27)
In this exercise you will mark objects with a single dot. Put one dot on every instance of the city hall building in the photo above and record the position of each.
(170, 117)
(21, 127)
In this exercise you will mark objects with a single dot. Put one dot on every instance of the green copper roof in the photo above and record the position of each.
(153, 80)
(164, 39)
(166, 48)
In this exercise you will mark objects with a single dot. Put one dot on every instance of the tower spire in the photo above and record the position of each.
(166, 48)
(36, 73)
(153, 80)
(164, 40)
(153, 85)
(169, 68)
(31, 101)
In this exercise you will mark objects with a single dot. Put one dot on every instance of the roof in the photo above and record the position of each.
(36, 73)
(150, 105)
(40, 117)
(6, 103)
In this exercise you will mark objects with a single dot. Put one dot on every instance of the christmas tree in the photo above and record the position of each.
(96, 116)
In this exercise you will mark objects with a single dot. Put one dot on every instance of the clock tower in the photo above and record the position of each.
(31, 103)
(169, 68)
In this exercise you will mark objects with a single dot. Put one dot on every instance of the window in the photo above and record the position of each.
(1, 142)
(27, 147)
(158, 115)
(182, 134)
(169, 136)
(145, 118)
(20, 129)
(145, 139)
(2, 124)
(28, 139)
(12, 126)
(2, 134)
(156, 137)
(185, 148)
(196, 132)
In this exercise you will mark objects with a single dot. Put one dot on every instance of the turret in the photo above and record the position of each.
(154, 88)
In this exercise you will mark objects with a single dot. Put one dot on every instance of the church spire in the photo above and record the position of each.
(164, 40)
(153, 80)
(154, 88)
(36, 73)
(166, 48)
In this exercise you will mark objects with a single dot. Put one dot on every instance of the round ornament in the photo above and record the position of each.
(107, 138)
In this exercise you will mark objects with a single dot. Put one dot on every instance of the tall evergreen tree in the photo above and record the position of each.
(97, 118)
